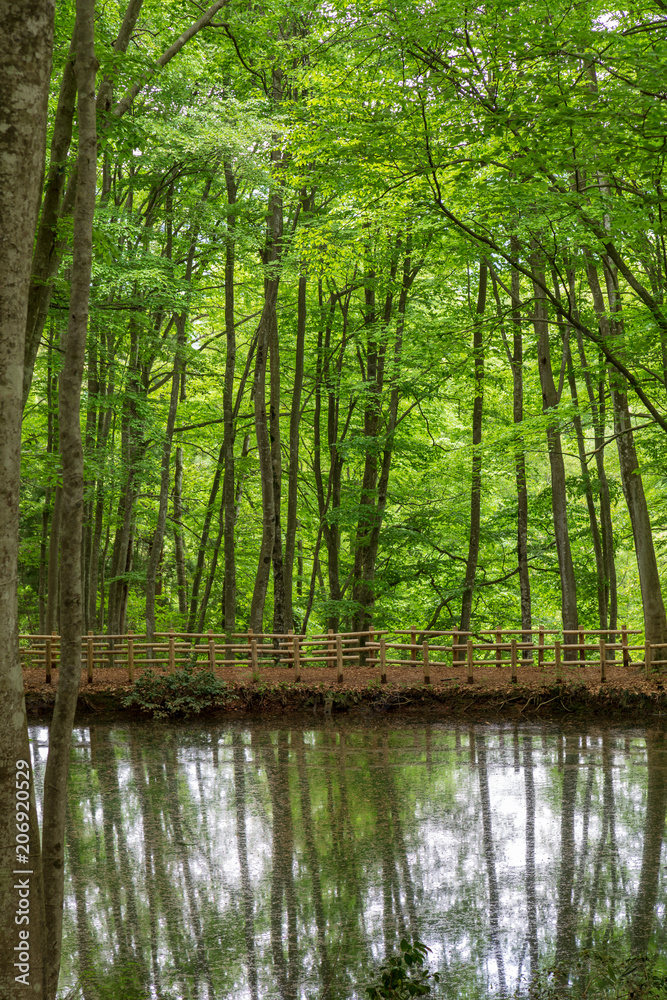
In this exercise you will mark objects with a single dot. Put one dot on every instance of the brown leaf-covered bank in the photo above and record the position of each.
(631, 698)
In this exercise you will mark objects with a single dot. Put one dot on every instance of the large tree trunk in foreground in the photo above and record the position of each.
(71, 451)
(26, 37)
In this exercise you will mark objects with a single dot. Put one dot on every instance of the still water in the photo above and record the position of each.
(252, 861)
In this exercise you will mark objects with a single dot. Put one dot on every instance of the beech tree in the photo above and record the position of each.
(26, 38)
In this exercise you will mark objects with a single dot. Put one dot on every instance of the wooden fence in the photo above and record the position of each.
(546, 649)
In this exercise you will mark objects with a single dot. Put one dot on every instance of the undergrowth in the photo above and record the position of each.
(600, 975)
(184, 693)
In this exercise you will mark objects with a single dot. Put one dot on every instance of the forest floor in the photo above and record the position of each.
(625, 690)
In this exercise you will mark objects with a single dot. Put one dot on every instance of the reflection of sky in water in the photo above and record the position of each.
(385, 835)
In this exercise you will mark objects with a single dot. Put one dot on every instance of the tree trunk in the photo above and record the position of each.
(52, 622)
(476, 482)
(598, 411)
(520, 460)
(229, 582)
(558, 496)
(600, 568)
(294, 432)
(374, 382)
(203, 608)
(366, 587)
(329, 503)
(276, 465)
(264, 445)
(26, 37)
(133, 451)
(71, 450)
(655, 621)
(178, 374)
(179, 544)
(158, 534)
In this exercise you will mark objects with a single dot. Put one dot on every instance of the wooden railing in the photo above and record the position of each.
(546, 649)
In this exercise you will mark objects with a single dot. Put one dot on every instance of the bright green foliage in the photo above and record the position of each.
(409, 138)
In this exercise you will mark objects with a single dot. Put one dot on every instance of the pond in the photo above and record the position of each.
(260, 859)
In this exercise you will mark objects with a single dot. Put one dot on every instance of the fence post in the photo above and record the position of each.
(513, 656)
(603, 659)
(47, 659)
(499, 650)
(647, 657)
(371, 652)
(427, 667)
(540, 647)
(413, 643)
(582, 647)
(89, 657)
(130, 656)
(331, 655)
(253, 657)
(470, 660)
(383, 660)
(557, 658)
(172, 653)
(290, 648)
(297, 658)
(339, 659)
(211, 650)
(624, 644)
(455, 642)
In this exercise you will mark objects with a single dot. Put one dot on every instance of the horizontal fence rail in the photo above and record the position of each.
(425, 650)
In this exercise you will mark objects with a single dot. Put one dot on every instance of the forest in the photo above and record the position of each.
(376, 323)
(319, 316)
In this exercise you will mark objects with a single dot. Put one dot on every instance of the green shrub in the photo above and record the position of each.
(181, 694)
(403, 977)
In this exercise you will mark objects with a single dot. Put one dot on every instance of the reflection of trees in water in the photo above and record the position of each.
(242, 843)
(202, 968)
(282, 873)
(74, 832)
(656, 807)
(531, 891)
(325, 862)
(313, 864)
(490, 861)
(119, 873)
(566, 920)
